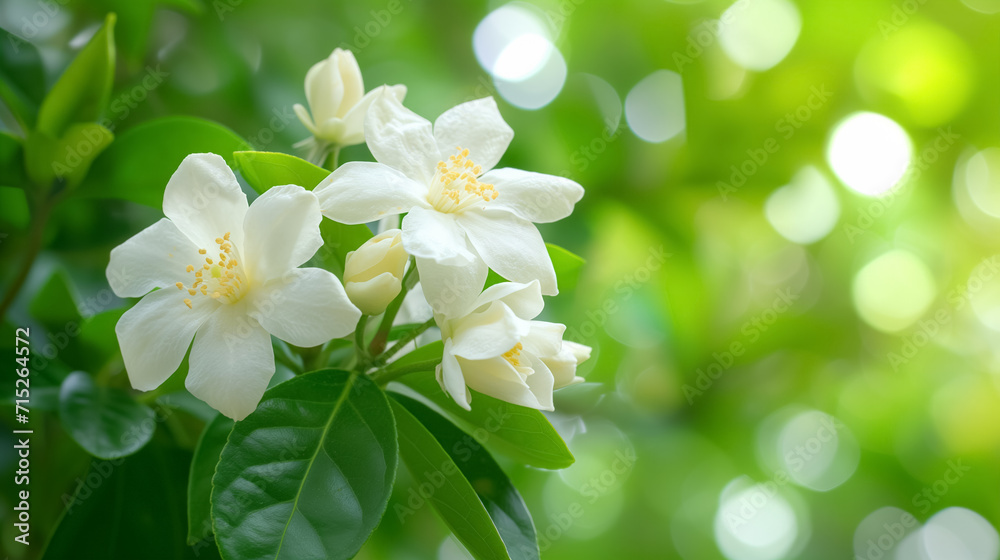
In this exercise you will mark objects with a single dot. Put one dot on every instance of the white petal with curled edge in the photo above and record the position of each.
(450, 290)
(401, 139)
(535, 197)
(541, 382)
(524, 299)
(430, 234)
(155, 334)
(306, 308)
(231, 362)
(511, 246)
(354, 85)
(488, 333)
(449, 376)
(544, 338)
(204, 200)
(324, 88)
(497, 378)
(360, 192)
(281, 232)
(476, 125)
(156, 257)
(354, 120)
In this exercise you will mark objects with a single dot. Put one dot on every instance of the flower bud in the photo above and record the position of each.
(373, 274)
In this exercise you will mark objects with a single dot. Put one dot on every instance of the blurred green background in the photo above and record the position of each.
(790, 224)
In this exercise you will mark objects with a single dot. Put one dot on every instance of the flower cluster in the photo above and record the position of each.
(226, 274)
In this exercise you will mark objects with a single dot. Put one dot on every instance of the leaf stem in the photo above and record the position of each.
(383, 377)
(403, 341)
(34, 247)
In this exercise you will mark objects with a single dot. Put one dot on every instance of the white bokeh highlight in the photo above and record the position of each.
(869, 153)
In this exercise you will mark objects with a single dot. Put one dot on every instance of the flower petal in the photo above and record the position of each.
(350, 74)
(450, 290)
(204, 200)
(488, 333)
(155, 334)
(281, 232)
(306, 308)
(511, 246)
(360, 192)
(541, 382)
(156, 257)
(324, 88)
(430, 234)
(544, 339)
(563, 365)
(231, 362)
(449, 376)
(401, 139)
(524, 299)
(304, 118)
(476, 125)
(497, 378)
(354, 119)
(535, 197)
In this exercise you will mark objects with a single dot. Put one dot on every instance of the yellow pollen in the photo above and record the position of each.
(513, 354)
(218, 241)
(180, 285)
(456, 184)
(187, 302)
(202, 251)
(208, 260)
(226, 237)
(190, 267)
(224, 279)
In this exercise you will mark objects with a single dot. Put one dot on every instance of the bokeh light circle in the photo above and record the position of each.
(817, 451)
(869, 152)
(512, 43)
(654, 108)
(755, 522)
(893, 290)
(805, 210)
(758, 34)
(960, 534)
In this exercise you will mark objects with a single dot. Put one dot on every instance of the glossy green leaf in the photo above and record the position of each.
(106, 422)
(263, 170)
(309, 473)
(206, 457)
(82, 92)
(503, 502)
(140, 162)
(128, 508)
(519, 432)
(338, 240)
(447, 489)
(22, 78)
(67, 158)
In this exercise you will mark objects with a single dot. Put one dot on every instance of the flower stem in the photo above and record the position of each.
(410, 279)
(359, 342)
(403, 341)
(34, 246)
(333, 158)
(383, 377)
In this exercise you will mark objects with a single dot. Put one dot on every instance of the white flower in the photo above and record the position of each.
(497, 349)
(227, 277)
(373, 275)
(461, 216)
(335, 92)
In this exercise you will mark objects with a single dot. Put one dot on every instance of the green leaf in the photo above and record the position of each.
(68, 157)
(516, 431)
(503, 502)
(338, 240)
(206, 457)
(22, 78)
(450, 493)
(567, 266)
(263, 170)
(83, 90)
(129, 508)
(139, 164)
(309, 473)
(106, 422)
